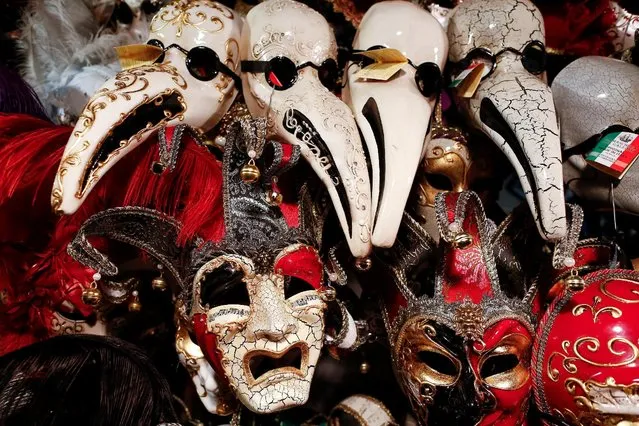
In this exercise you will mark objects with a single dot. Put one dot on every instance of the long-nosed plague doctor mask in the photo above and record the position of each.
(191, 80)
(288, 68)
(513, 104)
(394, 116)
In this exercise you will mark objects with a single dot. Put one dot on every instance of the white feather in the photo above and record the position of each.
(66, 51)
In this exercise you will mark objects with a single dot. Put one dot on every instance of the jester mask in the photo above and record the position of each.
(253, 298)
(460, 330)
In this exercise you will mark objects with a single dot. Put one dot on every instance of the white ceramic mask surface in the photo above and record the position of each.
(394, 116)
(513, 106)
(307, 113)
(591, 95)
(137, 101)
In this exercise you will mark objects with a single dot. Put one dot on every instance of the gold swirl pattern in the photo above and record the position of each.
(189, 350)
(168, 116)
(181, 15)
(592, 345)
(72, 159)
(62, 328)
(580, 309)
(232, 53)
(605, 290)
(126, 83)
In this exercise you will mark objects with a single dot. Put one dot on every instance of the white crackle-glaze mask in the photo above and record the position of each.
(266, 330)
(306, 113)
(137, 101)
(394, 116)
(592, 95)
(513, 106)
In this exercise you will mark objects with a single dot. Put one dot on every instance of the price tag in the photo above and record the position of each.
(387, 63)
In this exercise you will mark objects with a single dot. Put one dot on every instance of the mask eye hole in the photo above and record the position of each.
(294, 285)
(224, 286)
(439, 181)
(506, 366)
(498, 364)
(438, 362)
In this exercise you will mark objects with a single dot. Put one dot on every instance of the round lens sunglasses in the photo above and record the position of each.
(281, 72)
(202, 62)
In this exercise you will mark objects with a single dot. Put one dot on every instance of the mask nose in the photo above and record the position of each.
(485, 399)
(271, 317)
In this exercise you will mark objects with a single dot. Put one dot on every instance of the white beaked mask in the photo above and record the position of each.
(394, 115)
(288, 60)
(596, 96)
(192, 82)
(513, 105)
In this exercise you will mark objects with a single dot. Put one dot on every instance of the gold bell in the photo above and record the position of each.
(462, 240)
(250, 173)
(574, 282)
(364, 367)
(274, 198)
(91, 296)
(135, 305)
(363, 263)
(159, 283)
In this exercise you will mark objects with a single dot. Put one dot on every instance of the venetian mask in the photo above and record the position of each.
(596, 97)
(585, 365)
(461, 337)
(288, 71)
(394, 116)
(251, 305)
(198, 54)
(449, 164)
(512, 104)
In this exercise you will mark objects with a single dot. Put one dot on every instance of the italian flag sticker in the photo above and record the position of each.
(615, 153)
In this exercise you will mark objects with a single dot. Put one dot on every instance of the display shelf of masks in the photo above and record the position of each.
(319, 212)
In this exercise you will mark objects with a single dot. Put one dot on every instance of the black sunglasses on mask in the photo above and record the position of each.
(428, 75)
(533, 57)
(201, 61)
(590, 143)
(281, 73)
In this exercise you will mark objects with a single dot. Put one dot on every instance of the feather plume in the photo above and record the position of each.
(59, 40)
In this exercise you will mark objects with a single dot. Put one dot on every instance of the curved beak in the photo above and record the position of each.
(516, 110)
(323, 126)
(394, 136)
(125, 111)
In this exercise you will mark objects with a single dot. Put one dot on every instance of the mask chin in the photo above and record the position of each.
(519, 117)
